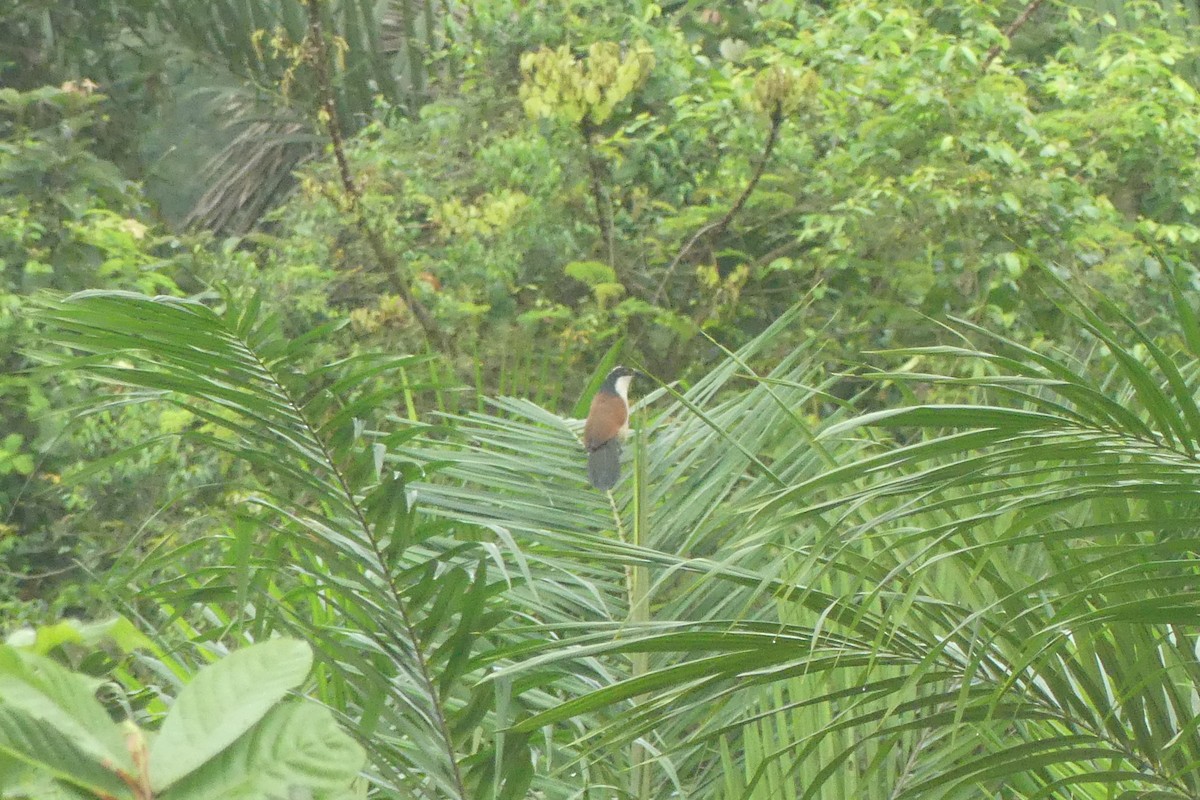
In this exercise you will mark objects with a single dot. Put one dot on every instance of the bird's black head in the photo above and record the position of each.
(610, 381)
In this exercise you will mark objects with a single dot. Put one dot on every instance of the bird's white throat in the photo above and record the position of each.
(622, 386)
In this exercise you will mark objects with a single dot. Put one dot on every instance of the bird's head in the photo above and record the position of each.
(618, 379)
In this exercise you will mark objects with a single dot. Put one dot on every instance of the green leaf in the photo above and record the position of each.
(607, 292)
(47, 638)
(1185, 312)
(222, 702)
(593, 273)
(48, 693)
(954, 416)
(51, 753)
(297, 749)
(607, 362)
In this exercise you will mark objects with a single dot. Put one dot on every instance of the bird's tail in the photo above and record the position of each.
(604, 465)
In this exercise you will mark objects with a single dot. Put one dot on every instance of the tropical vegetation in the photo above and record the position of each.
(302, 302)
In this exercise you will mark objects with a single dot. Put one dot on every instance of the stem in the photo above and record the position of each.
(139, 781)
(353, 192)
(1021, 19)
(639, 611)
(637, 590)
(431, 44)
(718, 227)
(416, 67)
(596, 173)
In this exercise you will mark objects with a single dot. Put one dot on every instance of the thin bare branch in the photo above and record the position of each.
(1021, 19)
(603, 206)
(353, 192)
(718, 227)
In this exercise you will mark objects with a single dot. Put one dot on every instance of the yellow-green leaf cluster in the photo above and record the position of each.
(600, 277)
(783, 90)
(489, 215)
(559, 86)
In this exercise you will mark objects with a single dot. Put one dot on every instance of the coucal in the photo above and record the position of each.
(607, 423)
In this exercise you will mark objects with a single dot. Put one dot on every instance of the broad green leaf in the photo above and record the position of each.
(297, 749)
(49, 752)
(222, 702)
(46, 638)
(43, 690)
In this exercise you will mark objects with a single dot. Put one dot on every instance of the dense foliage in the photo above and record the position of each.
(300, 302)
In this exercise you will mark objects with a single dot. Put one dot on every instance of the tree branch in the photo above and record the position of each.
(1021, 19)
(718, 227)
(603, 208)
(353, 192)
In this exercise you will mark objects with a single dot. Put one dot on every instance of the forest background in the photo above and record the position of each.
(301, 302)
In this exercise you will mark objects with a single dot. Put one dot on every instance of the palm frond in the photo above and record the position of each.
(779, 600)
(998, 595)
(327, 547)
(266, 101)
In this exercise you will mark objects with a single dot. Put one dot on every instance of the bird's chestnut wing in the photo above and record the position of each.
(605, 419)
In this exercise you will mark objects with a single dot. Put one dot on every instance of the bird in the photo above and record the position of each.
(607, 423)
